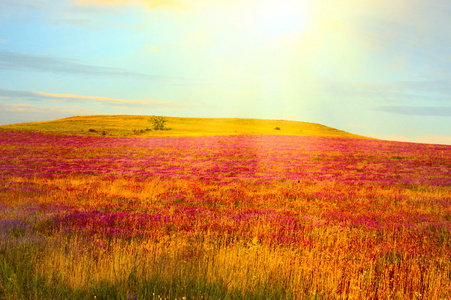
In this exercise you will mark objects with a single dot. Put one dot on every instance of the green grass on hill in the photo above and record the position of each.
(139, 126)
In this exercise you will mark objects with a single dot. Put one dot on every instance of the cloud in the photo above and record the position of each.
(6, 107)
(49, 97)
(420, 48)
(434, 85)
(25, 62)
(89, 14)
(18, 6)
(19, 95)
(150, 4)
(419, 111)
(54, 12)
(427, 139)
(411, 35)
(361, 89)
(52, 106)
(397, 91)
(67, 12)
(113, 101)
(16, 113)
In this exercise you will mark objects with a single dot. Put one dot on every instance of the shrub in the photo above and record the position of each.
(277, 128)
(138, 131)
(158, 122)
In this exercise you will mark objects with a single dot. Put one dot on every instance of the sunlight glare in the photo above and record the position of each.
(280, 18)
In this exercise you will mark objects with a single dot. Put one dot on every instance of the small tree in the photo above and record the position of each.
(157, 122)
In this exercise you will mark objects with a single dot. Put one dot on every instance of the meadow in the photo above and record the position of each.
(234, 216)
(139, 126)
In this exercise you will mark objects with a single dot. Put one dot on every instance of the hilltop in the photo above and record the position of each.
(136, 125)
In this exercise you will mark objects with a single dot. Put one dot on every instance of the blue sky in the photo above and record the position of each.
(376, 68)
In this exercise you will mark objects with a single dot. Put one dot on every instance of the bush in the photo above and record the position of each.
(137, 131)
(158, 122)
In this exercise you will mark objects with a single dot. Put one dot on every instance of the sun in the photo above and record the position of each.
(280, 18)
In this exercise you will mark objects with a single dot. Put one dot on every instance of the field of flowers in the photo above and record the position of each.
(229, 217)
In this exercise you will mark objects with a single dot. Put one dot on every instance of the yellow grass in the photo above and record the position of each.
(126, 125)
(339, 264)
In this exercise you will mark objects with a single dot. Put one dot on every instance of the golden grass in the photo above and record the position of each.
(340, 263)
(134, 125)
(322, 270)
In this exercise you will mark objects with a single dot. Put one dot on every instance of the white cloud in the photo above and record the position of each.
(426, 139)
(417, 111)
(22, 96)
(401, 92)
(16, 113)
(107, 100)
(49, 64)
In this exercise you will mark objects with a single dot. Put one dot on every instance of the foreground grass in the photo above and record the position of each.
(54, 250)
(122, 272)
(123, 125)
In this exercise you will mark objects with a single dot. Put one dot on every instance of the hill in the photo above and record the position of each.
(135, 125)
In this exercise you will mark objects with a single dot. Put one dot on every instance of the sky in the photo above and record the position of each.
(379, 68)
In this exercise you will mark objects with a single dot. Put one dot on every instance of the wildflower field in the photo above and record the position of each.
(223, 217)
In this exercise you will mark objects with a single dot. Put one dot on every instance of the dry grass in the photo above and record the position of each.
(124, 125)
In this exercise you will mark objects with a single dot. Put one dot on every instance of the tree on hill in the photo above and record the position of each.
(158, 122)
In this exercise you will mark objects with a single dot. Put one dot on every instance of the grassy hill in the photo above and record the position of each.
(133, 125)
